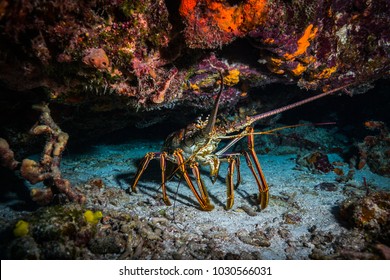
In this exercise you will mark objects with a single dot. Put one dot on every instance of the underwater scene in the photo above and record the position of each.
(194, 129)
(329, 198)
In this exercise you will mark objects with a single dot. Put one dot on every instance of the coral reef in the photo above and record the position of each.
(135, 51)
(325, 40)
(113, 226)
(313, 42)
(114, 39)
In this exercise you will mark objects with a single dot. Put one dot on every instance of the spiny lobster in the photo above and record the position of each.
(197, 144)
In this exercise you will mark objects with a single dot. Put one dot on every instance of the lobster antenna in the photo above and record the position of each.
(174, 202)
(237, 137)
(255, 118)
(213, 116)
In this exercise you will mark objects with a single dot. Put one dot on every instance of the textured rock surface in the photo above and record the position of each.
(132, 54)
(106, 65)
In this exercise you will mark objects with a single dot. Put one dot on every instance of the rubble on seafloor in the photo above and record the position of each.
(118, 231)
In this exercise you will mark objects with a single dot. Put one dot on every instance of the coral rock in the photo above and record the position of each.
(371, 213)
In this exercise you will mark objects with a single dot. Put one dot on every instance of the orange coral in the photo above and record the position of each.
(282, 63)
(229, 18)
(232, 78)
(326, 73)
(226, 17)
(187, 7)
(374, 125)
(237, 18)
(274, 64)
(303, 42)
(253, 13)
(299, 69)
(268, 41)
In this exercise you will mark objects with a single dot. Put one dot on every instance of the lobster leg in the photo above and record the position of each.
(259, 176)
(163, 165)
(204, 204)
(234, 163)
(203, 191)
(144, 164)
(238, 163)
(229, 182)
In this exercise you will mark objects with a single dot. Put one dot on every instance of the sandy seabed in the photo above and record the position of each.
(302, 220)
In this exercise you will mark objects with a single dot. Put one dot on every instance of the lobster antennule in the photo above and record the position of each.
(255, 118)
(213, 116)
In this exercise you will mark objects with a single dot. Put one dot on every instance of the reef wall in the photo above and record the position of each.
(136, 62)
